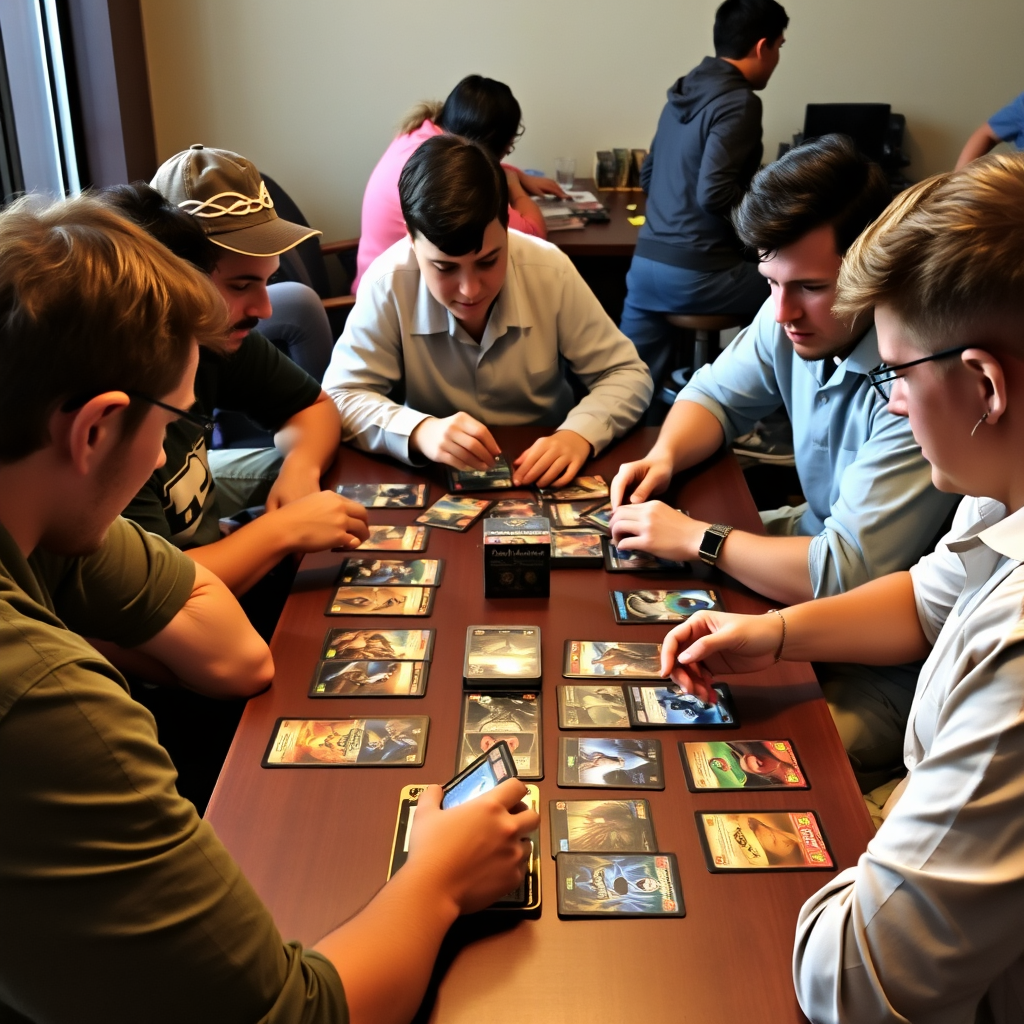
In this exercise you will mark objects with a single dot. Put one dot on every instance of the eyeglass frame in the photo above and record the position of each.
(197, 419)
(882, 374)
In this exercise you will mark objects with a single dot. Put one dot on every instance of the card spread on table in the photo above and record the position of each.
(497, 478)
(661, 605)
(512, 717)
(378, 644)
(347, 742)
(600, 517)
(395, 538)
(666, 706)
(502, 652)
(370, 679)
(381, 601)
(386, 495)
(592, 707)
(617, 560)
(617, 763)
(619, 884)
(601, 826)
(454, 513)
(763, 841)
(598, 659)
(575, 549)
(515, 508)
(741, 764)
(565, 515)
(583, 488)
(390, 572)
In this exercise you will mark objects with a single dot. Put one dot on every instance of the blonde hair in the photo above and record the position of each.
(428, 110)
(945, 252)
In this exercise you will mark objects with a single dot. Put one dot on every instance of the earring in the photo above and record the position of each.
(979, 423)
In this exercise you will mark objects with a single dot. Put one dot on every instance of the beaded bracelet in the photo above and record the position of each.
(782, 642)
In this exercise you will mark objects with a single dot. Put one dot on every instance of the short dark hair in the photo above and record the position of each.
(825, 181)
(147, 208)
(484, 111)
(739, 24)
(451, 189)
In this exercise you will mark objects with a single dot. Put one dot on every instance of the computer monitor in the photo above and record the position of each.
(866, 123)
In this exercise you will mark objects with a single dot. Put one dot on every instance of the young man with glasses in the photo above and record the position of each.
(870, 506)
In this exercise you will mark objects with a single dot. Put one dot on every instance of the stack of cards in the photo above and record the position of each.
(373, 663)
(386, 495)
(616, 560)
(598, 659)
(583, 488)
(607, 706)
(347, 742)
(593, 761)
(741, 764)
(512, 717)
(497, 478)
(502, 657)
(619, 885)
(763, 841)
(395, 538)
(454, 513)
(632, 606)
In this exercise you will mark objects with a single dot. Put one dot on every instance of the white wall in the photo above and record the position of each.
(310, 90)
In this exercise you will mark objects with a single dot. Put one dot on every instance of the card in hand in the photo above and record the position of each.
(515, 508)
(390, 572)
(381, 601)
(347, 742)
(501, 652)
(618, 763)
(763, 841)
(616, 560)
(662, 605)
(575, 549)
(497, 478)
(385, 495)
(370, 679)
(378, 644)
(668, 707)
(600, 517)
(454, 513)
(598, 659)
(395, 538)
(583, 488)
(619, 884)
(512, 717)
(592, 707)
(565, 515)
(601, 826)
(741, 764)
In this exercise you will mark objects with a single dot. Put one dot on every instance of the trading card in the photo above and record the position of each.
(369, 679)
(601, 826)
(617, 763)
(454, 513)
(390, 572)
(600, 517)
(347, 742)
(497, 478)
(512, 717)
(661, 605)
(502, 652)
(515, 508)
(575, 549)
(588, 659)
(583, 488)
(385, 495)
(565, 515)
(619, 884)
(381, 601)
(490, 769)
(395, 538)
(667, 706)
(616, 560)
(378, 644)
(592, 707)
(741, 764)
(763, 841)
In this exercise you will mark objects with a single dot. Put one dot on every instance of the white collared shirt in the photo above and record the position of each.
(930, 923)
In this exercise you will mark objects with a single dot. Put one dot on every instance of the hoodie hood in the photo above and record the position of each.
(708, 81)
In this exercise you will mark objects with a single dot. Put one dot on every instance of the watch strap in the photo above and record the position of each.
(712, 541)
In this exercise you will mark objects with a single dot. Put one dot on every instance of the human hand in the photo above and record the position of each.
(321, 521)
(458, 441)
(296, 479)
(537, 185)
(551, 461)
(475, 852)
(657, 529)
(641, 479)
(515, 185)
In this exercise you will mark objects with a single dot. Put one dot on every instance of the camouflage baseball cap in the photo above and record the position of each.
(226, 195)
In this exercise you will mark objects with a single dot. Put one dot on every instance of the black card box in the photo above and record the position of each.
(517, 557)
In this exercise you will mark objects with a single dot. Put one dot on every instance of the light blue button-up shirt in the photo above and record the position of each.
(871, 506)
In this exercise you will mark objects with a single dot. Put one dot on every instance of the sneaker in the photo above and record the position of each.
(761, 449)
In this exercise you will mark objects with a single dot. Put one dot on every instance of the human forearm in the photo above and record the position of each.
(773, 566)
(309, 441)
(524, 206)
(981, 141)
(689, 435)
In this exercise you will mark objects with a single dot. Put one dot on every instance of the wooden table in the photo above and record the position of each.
(316, 843)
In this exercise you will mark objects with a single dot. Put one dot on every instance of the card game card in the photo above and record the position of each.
(497, 478)
(347, 742)
(575, 549)
(501, 653)
(617, 763)
(596, 659)
(592, 707)
(741, 764)
(661, 605)
(619, 885)
(600, 517)
(583, 488)
(515, 508)
(454, 513)
(601, 826)
(616, 560)
(565, 515)
(381, 601)
(395, 538)
(369, 679)
(763, 841)
(385, 495)
(512, 717)
(390, 572)
(668, 706)
(378, 644)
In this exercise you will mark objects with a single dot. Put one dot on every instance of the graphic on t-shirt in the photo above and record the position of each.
(186, 492)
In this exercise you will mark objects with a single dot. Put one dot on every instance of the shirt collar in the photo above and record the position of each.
(1005, 536)
(860, 361)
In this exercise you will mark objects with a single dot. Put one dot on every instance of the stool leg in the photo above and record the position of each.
(702, 347)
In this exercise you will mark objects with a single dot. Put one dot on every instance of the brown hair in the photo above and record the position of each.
(90, 303)
(426, 110)
(947, 250)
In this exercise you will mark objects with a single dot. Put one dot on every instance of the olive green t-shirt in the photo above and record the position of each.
(117, 903)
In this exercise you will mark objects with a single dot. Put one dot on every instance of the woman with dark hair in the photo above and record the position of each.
(479, 109)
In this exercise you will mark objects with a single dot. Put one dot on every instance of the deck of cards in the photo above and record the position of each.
(517, 557)
(502, 657)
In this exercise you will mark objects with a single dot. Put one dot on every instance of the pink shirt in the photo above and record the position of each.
(382, 221)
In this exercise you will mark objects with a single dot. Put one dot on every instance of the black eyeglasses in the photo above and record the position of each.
(197, 418)
(882, 376)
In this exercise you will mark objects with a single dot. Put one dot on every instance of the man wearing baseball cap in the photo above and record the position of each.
(211, 207)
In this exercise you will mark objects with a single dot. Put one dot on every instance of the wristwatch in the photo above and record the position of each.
(712, 541)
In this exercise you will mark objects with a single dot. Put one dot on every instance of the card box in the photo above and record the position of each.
(517, 557)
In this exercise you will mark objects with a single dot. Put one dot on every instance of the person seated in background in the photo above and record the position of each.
(210, 206)
(1005, 125)
(706, 150)
(871, 508)
(471, 322)
(477, 108)
(926, 926)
